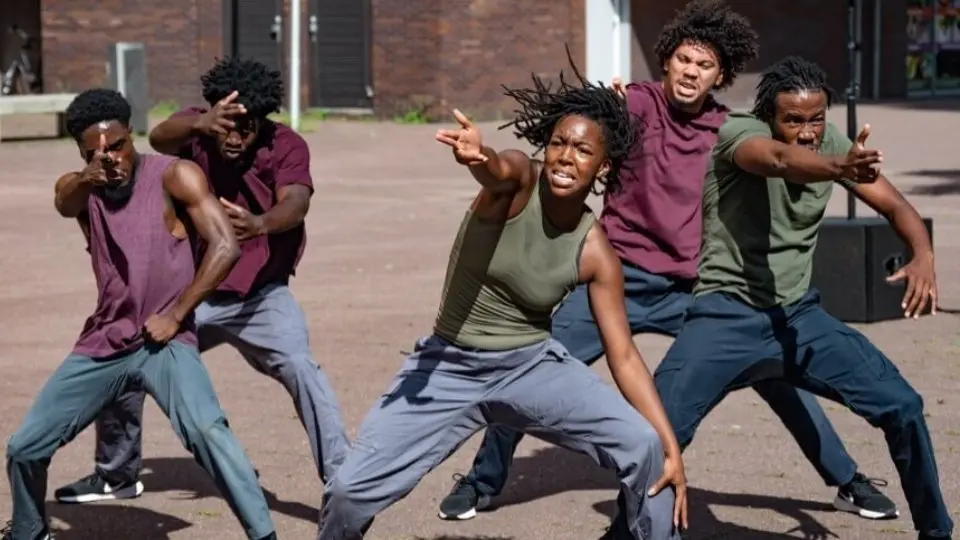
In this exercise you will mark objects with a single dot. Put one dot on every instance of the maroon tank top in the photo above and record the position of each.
(140, 267)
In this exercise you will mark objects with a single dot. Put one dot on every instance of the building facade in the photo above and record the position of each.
(426, 56)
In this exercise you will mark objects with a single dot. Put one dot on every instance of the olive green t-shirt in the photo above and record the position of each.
(759, 234)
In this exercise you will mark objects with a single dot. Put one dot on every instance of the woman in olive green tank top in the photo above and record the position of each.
(525, 241)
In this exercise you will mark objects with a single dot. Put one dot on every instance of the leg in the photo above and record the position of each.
(270, 331)
(564, 402)
(802, 415)
(119, 441)
(839, 363)
(68, 403)
(425, 416)
(722, 347)
(175, 377)
(118, 459)
(654, 304)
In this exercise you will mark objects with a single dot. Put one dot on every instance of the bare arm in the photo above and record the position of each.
(293, 202)
(71, 193)
(769, 158)
(503, 173)
(172, 134)
(186, 183)
(920, 273)
(600, 267)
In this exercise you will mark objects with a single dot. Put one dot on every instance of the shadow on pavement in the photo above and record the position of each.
(88, 521)
(554, 470)
(948, 182)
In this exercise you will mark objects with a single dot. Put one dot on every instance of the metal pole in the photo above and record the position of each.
(852, 89)
(295, 63)
(877, 43)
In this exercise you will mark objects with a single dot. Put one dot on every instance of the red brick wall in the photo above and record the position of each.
(440, 54)
(182, 37)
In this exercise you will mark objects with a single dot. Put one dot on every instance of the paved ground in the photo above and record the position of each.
(386, 211)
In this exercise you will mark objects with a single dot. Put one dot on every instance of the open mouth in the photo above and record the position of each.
(562, 179)
(231, 153)
(686, 89)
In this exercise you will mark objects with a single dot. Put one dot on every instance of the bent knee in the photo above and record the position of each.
(21, 447)
(903, 409)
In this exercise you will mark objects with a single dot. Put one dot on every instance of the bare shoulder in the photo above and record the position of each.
(598, 261)
(185, 181)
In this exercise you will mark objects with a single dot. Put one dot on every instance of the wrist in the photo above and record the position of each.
(836, 167)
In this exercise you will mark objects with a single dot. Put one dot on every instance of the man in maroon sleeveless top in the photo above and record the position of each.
(260, 170)
(140, 214)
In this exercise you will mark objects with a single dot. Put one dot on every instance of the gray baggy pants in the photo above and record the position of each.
(81, 386)
(443, 394)
(269, 329)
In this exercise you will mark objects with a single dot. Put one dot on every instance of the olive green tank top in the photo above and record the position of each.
(505, 279)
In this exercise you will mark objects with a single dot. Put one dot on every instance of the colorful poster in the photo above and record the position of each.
(947, 80)
(921, 58)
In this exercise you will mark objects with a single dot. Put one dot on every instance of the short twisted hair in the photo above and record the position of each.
(94, 106)
(791, 74)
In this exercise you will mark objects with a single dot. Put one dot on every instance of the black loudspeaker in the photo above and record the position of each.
(852, 260)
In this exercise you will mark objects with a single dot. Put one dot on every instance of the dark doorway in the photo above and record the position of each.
(20, 60)
(339, 53)
(254, 29)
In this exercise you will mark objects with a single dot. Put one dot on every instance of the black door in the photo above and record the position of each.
(339, 32)
(256, 31)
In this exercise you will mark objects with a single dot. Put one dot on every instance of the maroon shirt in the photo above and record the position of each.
(655, 221)
(282, 159)
(140, 267)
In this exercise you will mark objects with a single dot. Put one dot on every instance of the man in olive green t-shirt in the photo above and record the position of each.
(754, 316)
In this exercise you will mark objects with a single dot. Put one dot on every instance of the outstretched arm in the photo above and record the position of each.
(600, 268)
(503, 173)
(919, 273)
(186, 184)
(749, 145)
(70, 194)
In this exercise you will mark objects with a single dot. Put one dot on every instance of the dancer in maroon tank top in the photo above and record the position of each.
(140, 214)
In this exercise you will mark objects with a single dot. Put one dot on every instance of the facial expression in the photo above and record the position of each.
(111, 142)
(800, 118)
(575, 156)
(690, 74)
(233, 144)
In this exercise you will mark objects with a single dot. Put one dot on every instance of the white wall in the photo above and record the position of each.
(608, 39)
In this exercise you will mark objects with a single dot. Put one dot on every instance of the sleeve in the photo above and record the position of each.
(293, 162)
(835, 143)
(734, 132)
(189, 148)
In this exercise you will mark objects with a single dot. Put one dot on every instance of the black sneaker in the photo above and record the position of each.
(862, 498)
(7, 532)
(463, 501)
(94, 488)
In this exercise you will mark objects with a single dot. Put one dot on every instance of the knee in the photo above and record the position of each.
(643, 449)
(344, 503)
(906, 408)
(21, 448)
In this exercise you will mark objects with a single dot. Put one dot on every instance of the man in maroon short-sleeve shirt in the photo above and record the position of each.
(655, 224)
(260, 171)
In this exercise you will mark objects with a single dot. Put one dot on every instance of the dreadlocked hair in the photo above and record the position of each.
(93, 106)
(542, 108)
(711, 23)
(792, 74)
(259, 88)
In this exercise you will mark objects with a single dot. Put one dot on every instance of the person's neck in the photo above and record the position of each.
(563, 214)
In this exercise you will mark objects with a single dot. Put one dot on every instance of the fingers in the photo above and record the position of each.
(933, 299)
(910, 297)
(230, 208)
(462, 120)
(102, 147)
(448, 137)
(680, 519)
(658, 486)
(862, 136)
(229, 99)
